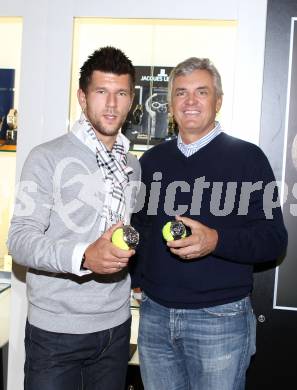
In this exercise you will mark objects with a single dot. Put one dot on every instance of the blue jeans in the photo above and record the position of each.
(60, 361)
(201, 349)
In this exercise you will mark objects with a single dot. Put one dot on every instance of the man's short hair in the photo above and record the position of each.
(109, 60)
(190, 65)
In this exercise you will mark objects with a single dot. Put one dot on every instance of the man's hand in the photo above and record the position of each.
(102, 257)
(201, 242)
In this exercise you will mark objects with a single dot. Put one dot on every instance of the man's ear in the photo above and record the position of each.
(81, 97)
(219, 103)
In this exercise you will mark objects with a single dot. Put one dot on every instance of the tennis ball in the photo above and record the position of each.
(172, 229)
(118, 239)
(167, 232)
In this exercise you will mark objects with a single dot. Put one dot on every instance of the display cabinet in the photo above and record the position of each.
(10, 49)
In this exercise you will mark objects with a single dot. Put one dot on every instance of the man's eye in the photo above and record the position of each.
(180, 93)
(101, 91)
(202, 92)
(123, 93)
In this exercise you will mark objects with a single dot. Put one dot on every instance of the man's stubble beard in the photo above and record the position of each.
(100, 129)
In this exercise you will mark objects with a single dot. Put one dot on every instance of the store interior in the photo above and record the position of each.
(218, 39)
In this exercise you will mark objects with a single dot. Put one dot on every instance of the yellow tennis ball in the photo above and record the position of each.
(118, 239)
(166, 231)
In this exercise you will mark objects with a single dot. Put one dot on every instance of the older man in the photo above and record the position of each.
(197, 327)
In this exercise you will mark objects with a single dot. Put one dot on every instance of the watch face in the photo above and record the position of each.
(131, 236)
(177, 229)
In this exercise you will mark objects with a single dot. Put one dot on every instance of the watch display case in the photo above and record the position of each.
(155, 46)
(149, 117)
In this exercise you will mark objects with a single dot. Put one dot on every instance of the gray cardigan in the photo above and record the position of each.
(58, 206)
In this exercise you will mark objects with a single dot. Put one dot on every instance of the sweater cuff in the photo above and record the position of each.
(221, 250)
(77, 257)
(232, 244)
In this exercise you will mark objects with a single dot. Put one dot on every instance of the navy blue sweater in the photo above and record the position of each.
(249, 232)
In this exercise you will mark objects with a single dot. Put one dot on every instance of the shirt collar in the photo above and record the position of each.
(200, 143)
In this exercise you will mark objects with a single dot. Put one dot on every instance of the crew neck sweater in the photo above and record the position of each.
(247, 235)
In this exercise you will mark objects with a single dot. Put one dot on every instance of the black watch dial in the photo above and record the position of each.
(131, 236)
(177, 229)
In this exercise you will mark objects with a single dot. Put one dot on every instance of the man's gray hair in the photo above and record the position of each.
(190, 65)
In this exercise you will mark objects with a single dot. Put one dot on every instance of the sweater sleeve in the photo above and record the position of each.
(27, 240)
(263, 236)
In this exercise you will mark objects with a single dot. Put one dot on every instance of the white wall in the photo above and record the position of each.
(45, 83)
(7, 174)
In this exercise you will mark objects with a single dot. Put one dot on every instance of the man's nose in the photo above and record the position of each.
(191, 98)
(111, 100)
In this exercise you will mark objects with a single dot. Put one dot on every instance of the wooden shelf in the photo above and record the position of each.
(6, 148)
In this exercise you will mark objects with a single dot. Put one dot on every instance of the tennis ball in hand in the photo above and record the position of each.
(174, 230)
(125, 237)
